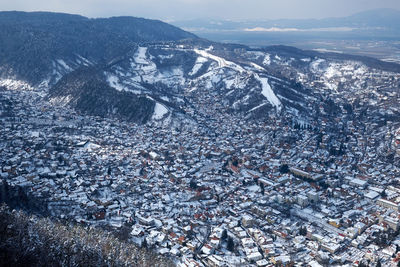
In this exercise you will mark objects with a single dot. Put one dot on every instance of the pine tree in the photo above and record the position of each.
(193, 184)
(224, 234)
(303, 231)
(144, 243)
(230, 245)
(284, 168)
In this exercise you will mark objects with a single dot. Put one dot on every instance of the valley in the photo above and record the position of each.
(209, 154)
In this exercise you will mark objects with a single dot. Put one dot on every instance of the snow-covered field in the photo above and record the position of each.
(268, 92)
(159, 111)
(222, 63)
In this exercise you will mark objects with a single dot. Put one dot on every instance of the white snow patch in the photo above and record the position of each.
(12, 84)
(259, 106)
(197, 66)
(216, 78)
(143, 70)
(331, 86)
(84, 60)
(64, 65)
(222, 63)
(332, 71)
(56, 73)
(61, 100)
(166, 57)
(258, 67)
(246, 98)
(229, 83)
(140, 56)
(159, 111)
(268, 93)
(361, 70)
(267, 59)
(230, 92)
(171, 77)
(113, 81)
(44, 85)
(315, 64)
(235, 82)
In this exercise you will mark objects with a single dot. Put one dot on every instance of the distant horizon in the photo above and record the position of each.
(202, 18)
(179, 10)
(283, 18)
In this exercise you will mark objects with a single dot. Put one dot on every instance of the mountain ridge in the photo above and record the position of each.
(145, 76)
(36, 39)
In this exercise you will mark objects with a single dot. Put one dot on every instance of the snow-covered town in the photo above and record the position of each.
(223, 192)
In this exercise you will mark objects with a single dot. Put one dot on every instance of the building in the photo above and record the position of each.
(302, 200)
(306, 175)
(255, 256)
(387, 204)
(247, 220)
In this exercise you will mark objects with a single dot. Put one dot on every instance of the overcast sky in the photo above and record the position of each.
(187, 9)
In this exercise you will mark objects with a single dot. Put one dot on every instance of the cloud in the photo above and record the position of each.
(274, 29)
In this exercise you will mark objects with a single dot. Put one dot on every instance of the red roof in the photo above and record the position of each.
(235, 169)
(172, 234)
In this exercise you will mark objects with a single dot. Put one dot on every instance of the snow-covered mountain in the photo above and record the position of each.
(172, 75)
(36, 44)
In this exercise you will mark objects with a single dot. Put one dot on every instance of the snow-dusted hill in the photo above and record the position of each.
(175, 75)
(166, 77)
